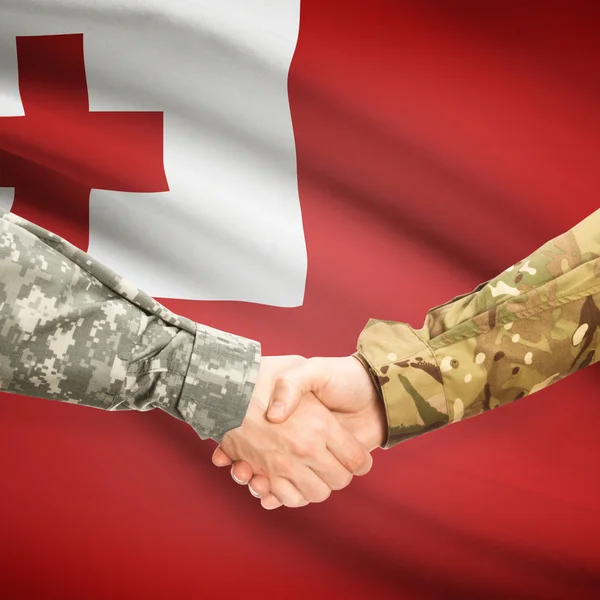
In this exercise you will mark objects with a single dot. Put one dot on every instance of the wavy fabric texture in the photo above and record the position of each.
(437, 144)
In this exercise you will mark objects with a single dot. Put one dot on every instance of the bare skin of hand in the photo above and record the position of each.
(343, 386)
(303, 457)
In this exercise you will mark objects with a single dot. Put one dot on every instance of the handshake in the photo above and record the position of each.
(310, 427)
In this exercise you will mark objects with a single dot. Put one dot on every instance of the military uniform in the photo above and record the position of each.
(73, 330)
(529, 327)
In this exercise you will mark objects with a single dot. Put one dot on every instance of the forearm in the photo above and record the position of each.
(73, 330)
(532, 325)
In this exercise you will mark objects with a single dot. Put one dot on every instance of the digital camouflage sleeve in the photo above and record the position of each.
(72, 330)
(532, 325)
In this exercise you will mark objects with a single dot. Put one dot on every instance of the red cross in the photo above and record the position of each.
(55, 154)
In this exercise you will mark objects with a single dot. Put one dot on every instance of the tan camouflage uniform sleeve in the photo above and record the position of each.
(73, 330)
(534, 324)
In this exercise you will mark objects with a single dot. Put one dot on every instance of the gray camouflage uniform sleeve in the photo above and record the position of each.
(73, 330)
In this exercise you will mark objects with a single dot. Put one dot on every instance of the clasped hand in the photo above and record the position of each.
(310, 427)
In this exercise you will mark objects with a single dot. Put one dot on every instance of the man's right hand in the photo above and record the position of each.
(304, 452)
(343, 386)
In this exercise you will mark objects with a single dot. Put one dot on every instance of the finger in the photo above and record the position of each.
(241, 472)
(260, 486)
(332, 472)
(219, 458)
(287, 493)
(289, 388)
(349, 451)
(270, 502)
(309, 485)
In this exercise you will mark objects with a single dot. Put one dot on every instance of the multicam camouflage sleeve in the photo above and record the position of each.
(532, 325)
(72, 330)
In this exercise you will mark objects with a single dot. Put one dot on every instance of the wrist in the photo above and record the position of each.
(375, 419)
(376, 430)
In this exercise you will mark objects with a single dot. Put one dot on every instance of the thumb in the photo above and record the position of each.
(289, 389)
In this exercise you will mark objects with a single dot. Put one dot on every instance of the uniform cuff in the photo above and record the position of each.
(408, 376)
(219, 382)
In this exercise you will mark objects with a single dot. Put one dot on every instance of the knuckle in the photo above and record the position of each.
(356, 461)
(283, 383)
(280, 382)
(302, 448)
(368, 465)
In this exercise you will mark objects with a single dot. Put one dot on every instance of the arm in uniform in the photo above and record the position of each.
(72, 330)
(529, 327)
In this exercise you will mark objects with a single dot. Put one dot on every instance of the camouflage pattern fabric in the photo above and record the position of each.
(534, 324)
(73, 330)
